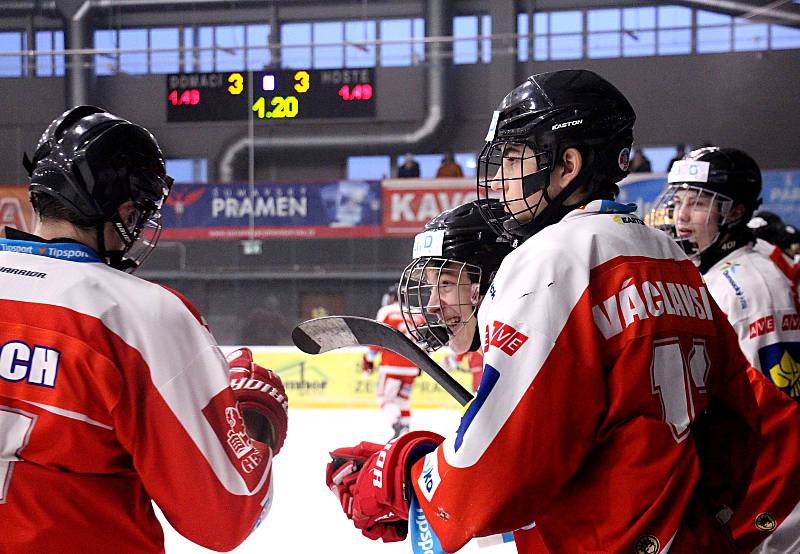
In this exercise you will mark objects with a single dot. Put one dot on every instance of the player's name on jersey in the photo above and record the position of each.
(640, 301)
(38, 364)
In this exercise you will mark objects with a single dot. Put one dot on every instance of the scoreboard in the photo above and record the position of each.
(277, 95)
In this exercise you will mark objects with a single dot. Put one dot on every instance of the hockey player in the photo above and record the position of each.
(615, 410)
(112, 391)
(396, 375)
(777, 241)
(709, 199)
(455, 259)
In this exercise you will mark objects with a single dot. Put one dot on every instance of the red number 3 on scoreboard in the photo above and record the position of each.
(15, 431)
(676, 380)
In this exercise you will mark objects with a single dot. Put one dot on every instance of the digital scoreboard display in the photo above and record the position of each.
(277, 95)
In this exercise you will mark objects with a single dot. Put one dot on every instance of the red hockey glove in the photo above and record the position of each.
(369, 481)
(367, 365)
(261, 398)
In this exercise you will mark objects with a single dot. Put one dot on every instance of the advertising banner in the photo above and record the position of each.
(408, 204)
(15, 209)
(335, 379)
(273, 210)
(780, 193)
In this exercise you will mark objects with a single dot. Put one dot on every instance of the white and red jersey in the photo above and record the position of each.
(391, 362)
(757, 297)
(112, 393)
(602, 346)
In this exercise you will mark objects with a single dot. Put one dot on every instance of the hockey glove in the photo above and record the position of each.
(370, 483)
(261, 398)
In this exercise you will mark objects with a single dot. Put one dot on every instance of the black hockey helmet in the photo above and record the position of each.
(90, 162)
(726, 171)
(539, 120)
(456, 243)
(725, 177)
(769, 227)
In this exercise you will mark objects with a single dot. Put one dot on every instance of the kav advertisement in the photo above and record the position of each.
(273, 210)
(408, 204)
(15, 209)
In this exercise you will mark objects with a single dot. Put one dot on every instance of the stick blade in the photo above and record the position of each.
(323, 334)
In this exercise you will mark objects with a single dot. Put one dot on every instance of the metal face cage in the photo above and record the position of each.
(438, 296)
(512, 171)
(685, 211)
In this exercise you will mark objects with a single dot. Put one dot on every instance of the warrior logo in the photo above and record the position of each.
(646, 544)
(765, 522)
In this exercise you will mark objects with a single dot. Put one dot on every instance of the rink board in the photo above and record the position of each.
(335, 379)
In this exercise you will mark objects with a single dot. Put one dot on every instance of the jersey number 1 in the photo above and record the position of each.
(676, 379)
(15, 431)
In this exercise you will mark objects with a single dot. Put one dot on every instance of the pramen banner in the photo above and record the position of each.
(273, 210)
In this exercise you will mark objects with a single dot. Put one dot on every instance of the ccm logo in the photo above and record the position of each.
(566, 124)
(504, 337)
(762, 326)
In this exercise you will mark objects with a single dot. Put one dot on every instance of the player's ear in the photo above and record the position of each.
(566, 169)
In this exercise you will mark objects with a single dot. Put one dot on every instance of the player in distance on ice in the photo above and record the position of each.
(614, 423)
(396, 374)
(113, 392)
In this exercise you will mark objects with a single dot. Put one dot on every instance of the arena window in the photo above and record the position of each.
(331, 55)
(674, 30)
(356, 52)
(186, 170)
(639, 31)
(49, 65)
(369, 167)
(713, 32)
(784, 37)
(643, 31)
(468, 46)
(604, 37)
(402, 54)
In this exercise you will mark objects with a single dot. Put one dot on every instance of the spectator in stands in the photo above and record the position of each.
(449, 167)
(640, 163)
(409, 169)
(680, 152)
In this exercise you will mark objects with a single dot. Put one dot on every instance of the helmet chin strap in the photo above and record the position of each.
(555, 208)
(112, 258)
(476, 341)
(729, 239)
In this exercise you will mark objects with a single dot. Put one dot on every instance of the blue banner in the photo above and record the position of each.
(273, 210)
(780, 193)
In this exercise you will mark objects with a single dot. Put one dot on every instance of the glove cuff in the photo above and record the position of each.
(400, 456)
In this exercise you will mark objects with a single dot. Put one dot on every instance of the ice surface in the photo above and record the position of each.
(305, 516)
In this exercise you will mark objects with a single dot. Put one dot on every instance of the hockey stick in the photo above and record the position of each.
(324, 334)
